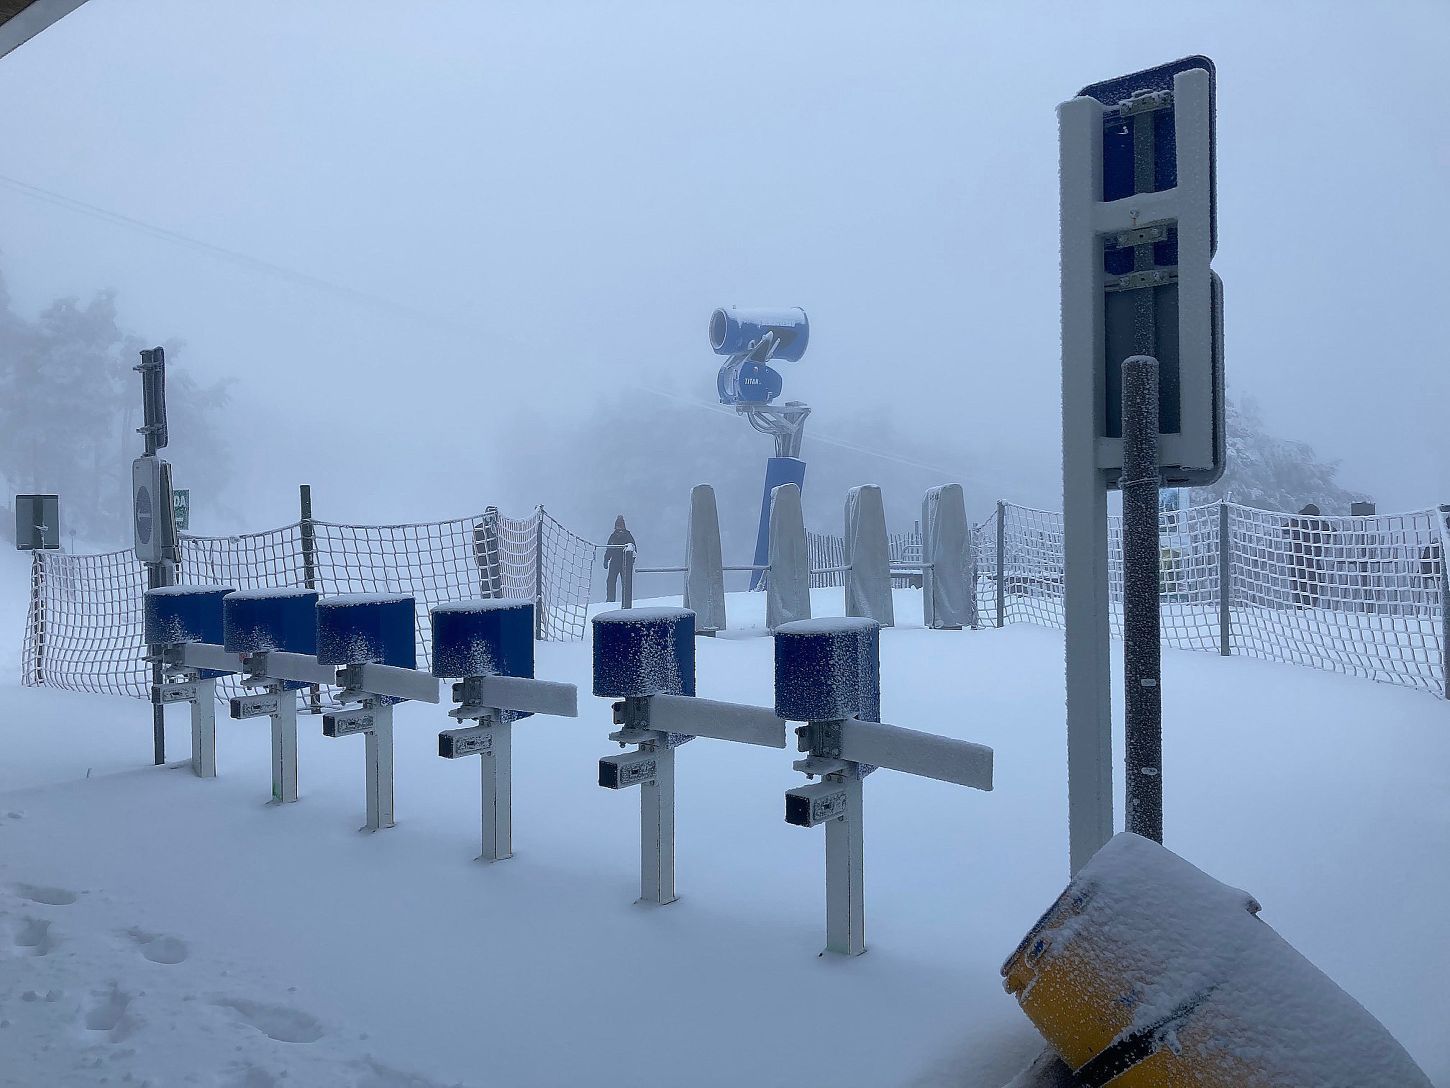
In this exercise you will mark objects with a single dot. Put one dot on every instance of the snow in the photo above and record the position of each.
(272, 593)
(182, 931)
(347, 600)
(482, 604)
(189, 590)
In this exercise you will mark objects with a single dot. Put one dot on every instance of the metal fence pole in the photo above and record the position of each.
(1445, 598)
(1001, 563)
(1142, 649)
(540, 625)
(1225, 581)
(37, 597)
(309, 570)
(626, 589)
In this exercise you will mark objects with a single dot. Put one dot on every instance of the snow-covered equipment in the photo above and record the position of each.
(1148, 972)
(489, 644)
(274, 631)
(751, 338)
(645, 659)
(828, 675)
(369, 638)
(183, 625)
(788, 588)
(868, 557)
(704, 567)
(947, 601)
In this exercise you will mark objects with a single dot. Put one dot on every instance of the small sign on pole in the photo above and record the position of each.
(181, 506)
(37, 522)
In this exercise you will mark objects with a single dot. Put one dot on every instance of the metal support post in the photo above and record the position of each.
(1142, 649)
(309, 572)
(540, 615)
(203, 729)
(37, 596)
(657, 827)
(1001, 563)
(284, 747)
(626, 588)
(379, 757)
(496, 765)
(155, 579)
(845, 871)
(1225, 581)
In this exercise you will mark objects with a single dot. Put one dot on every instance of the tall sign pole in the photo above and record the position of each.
(153, 514)
(1137, 236)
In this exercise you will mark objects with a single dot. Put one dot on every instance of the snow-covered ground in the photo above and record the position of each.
(156, 928)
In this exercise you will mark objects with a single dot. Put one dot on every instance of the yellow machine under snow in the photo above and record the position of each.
(1148, 973)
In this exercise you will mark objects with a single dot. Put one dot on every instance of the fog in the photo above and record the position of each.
(461, 253)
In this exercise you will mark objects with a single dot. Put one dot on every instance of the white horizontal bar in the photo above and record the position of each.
(399, 683)
(531, 696)
(208, 655)
(925, 754)
(720, 721)
(299, 668)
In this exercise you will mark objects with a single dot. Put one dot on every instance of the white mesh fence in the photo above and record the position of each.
(84, 626)
(1357, 595)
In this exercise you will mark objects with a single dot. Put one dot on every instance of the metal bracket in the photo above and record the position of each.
(1145, 102)
(1151, 277)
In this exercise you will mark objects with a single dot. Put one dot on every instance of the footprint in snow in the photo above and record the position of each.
(50, 897)
(159, 949)
(34, 934)
(109, 1011)
(279, 1022)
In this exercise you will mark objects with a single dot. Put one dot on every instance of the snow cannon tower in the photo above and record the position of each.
(1149, 972)
(751, 340)
(368, 637)
(645, 659)
(828, 675)
(275, 633)
(489, 644)
(184, 624)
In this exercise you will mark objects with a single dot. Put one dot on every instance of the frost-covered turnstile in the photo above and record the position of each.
(275, 633)
(828, 674)
(369, 637)
(185, 622)
(645, 657)
(490, 644)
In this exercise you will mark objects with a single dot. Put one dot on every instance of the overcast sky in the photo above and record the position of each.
(533, 208)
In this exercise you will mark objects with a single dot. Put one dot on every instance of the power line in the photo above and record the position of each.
(242, 260)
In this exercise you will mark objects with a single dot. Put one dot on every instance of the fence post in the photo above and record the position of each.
(1445, 597)
(37, 602)
(309, 570)
(1001, 563)
(626, 589)
(1225, 581)
(540, 626)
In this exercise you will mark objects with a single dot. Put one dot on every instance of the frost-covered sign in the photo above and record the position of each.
(1139, 232)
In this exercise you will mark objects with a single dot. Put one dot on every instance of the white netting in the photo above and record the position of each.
(84, 628)
(1357, 595)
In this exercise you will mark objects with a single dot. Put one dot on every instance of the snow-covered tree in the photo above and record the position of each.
(1273, 473)
(69, 408)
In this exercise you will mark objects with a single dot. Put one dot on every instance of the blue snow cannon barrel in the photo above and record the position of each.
(177, 614)
(644, 651)
(828, 669)
(257, 620)
(366, 628)
(483, 638)
(733, 331)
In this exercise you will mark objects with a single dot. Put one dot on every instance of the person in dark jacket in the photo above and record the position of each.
(620, 539)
